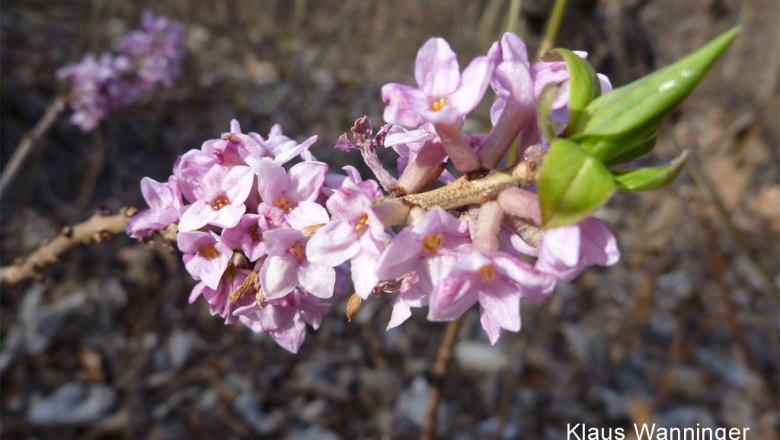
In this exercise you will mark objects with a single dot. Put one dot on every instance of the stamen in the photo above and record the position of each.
(486, 272)
(432, 243)
(209, 252)
(298, 251)
(438, 104)
(284, 204)
(220, 202)
(362, 223)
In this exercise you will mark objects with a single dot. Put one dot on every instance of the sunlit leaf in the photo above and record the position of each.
(584, 85)
(625, 117)
(646, 179)
(572, 184)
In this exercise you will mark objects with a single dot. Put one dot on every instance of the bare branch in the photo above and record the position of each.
(96, 229)
(29, 140)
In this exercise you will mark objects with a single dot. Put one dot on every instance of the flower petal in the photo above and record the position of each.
(278, 276)
(333, 244)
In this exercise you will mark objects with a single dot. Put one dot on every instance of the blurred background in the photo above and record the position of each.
(683, 330)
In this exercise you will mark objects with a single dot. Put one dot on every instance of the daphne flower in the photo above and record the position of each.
(247, 235)
(218, 298)
(280, 149)
(287, 265)
(430, 247)
(284, 190)
(206, 257)
(164, 200)
(220, 199)
(285, 319)
(497, 282)
(355, 234)
(565, 252)
(443, 97)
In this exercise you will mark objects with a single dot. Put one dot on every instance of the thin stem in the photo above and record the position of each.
(29, 141)
(552, 28)
(440, 367)
(514, 13)
(97, 228)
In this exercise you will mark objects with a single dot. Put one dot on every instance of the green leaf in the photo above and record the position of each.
(622, 150)
(628, 114)
(572, 184)
(584, 85)
(544, 110)
(646, 179)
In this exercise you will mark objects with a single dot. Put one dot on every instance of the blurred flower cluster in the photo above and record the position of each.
(142, 60)
(271, 234)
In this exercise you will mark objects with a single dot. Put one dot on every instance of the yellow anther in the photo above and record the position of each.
(220, 202)
(298, 251)
(284, 204)
(362, 223)
(432, 243)
(209, 252)
(438, 104)
(486, 272)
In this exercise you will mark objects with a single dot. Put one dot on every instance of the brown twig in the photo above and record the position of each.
(443, 357)
(95, 229)
(29, 140)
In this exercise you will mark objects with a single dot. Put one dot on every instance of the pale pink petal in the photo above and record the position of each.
(272, 179)
(307, 214)
(196, 216)
(306, 179)
(436, 68)
(333, 244)
(403, 104)
(278, 276)
(317, 280)
(364, 274)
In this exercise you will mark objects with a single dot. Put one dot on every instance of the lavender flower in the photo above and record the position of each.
(143, 59)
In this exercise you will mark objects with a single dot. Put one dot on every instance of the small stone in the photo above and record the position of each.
(72, 404)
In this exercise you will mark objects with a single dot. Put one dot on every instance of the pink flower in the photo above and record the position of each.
(444, 98)
(430, 248)
(206, 257)
(285, 318)
(218, 299)
(247, 235)
(287, 267)
(497, 282)
(410, 295)
(443, 95)
(565, 252)
(279, 148)
(284, 190)
(221, 198)
(355, 234)
(369, 187)
(164, 200)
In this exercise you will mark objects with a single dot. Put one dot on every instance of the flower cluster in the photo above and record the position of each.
(142, 60)
(271, 234)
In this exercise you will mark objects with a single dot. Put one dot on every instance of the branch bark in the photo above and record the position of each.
(95, 229)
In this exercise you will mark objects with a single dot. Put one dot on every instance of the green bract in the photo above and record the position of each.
(584, 85)
(575, 179)
(626, 117)
(646, 179)
(572, 184)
